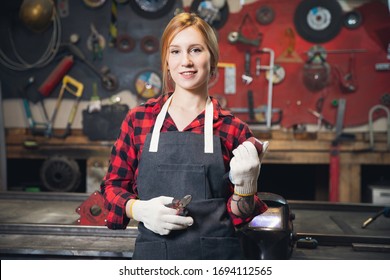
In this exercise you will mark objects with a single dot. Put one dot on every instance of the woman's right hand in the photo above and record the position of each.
(157, 217)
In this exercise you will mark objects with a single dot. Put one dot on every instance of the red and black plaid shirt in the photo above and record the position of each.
(120, 183)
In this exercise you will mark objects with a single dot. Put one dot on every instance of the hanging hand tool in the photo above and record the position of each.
(237, 36)
(348, 81)
(74, 87)
(95, 103)
(247, 77)
(109, 81)
(276, 114)
(96, 43)
(319, 106)
(318, 113)
(328, 124)
(37, 128)
(56, 75)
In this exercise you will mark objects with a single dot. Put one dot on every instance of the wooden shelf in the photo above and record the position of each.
(285, 148)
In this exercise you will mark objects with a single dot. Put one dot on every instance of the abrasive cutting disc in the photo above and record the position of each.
(148, 84)
(318, 21)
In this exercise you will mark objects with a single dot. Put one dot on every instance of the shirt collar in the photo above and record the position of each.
(158, 102)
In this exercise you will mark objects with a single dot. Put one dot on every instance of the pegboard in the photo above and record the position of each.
(291, 95)
(125, 66)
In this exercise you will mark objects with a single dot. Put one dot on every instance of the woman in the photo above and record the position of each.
(183, 143)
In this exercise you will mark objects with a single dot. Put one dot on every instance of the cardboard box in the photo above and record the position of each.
(380, 195)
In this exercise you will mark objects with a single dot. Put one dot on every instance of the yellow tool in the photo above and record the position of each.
(74, 87)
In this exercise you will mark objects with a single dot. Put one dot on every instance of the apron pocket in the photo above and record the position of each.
(220, 248)
(183, 179)
(153, 250)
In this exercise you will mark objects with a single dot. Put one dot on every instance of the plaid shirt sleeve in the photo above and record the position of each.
(119, 184)
(239, 132)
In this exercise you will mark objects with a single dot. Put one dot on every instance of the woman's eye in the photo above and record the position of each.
(174, 51)
(196, 50)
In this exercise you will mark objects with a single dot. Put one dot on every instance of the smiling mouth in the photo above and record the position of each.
(188, 73)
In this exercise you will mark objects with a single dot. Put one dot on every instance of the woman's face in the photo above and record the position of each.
(189, 60)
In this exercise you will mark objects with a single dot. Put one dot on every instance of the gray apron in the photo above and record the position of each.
(180, 163)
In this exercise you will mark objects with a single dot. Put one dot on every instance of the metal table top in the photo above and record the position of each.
(43, 225)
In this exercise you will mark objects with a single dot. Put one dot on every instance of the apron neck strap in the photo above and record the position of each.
(208, 127)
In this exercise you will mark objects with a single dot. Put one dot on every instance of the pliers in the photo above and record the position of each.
(180, 204)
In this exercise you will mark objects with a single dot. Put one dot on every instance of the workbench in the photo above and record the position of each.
(46, 228)
(285, 148)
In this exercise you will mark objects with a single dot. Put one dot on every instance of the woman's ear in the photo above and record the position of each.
(212, 71)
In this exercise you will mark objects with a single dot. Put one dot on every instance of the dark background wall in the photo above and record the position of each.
(291, 96)
(123, 65)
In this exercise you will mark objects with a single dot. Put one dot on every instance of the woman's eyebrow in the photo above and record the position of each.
(190, 46)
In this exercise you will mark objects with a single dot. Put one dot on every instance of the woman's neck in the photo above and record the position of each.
(189, 101)
(185, 107)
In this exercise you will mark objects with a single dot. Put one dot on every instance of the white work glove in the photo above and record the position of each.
(245, 168)
(159, 218)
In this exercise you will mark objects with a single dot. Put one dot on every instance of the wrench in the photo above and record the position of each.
(247, 77)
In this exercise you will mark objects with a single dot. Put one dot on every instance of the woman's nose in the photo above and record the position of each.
(186, 60)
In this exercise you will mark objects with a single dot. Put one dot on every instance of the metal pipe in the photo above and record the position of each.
(270, 84)
(371, 126)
